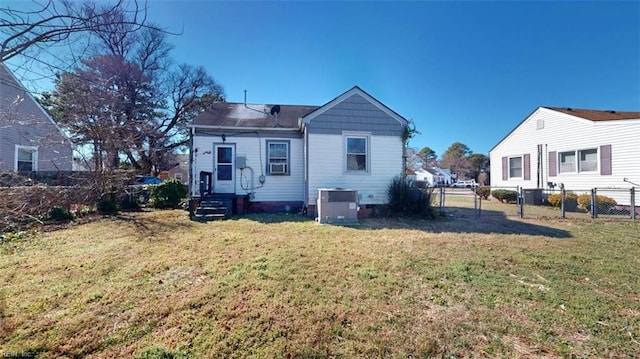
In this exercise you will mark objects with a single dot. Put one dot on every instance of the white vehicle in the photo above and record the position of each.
(465, 184)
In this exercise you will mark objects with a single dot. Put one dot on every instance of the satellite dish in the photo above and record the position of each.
(275, 110)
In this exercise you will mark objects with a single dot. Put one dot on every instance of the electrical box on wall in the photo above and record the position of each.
(241, 161)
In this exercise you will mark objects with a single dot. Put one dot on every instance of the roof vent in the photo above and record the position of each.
(275, 111)
(569, 109)
(611, 111)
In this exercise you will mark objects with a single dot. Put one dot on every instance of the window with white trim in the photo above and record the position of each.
(567, 162)
(588, 160)
(357, 153)
(26, 159)
(278, 154)
(515, 167)
(178, 176)
(578, 161)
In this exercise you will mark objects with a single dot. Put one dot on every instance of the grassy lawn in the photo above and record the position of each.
(154, 284)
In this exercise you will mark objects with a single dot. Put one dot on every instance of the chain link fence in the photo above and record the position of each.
(611, 203)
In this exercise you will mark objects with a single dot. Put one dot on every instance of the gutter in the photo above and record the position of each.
(246, 129)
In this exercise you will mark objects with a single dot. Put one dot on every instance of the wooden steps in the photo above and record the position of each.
(213, 209)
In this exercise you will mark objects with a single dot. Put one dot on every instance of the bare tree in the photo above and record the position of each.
(129, 101)
(44, 37)
(56, 22)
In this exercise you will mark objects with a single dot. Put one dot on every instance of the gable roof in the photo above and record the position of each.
(239, 115)
(12, 93)
(589, 115)
(355, 90)
(258, 116)
(597, 115)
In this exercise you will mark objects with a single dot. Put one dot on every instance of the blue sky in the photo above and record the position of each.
(463, 71)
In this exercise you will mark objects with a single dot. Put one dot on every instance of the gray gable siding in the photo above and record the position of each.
(355, 114)
(24, 123)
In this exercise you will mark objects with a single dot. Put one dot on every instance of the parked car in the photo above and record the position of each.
(146, 180)
(465, 184)
(140, 187)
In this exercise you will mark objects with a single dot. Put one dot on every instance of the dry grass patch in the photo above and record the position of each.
(283, 286)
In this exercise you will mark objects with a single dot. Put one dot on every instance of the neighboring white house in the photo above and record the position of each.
(281, 155)
(433, 177)
(581, 149)
(30, 141)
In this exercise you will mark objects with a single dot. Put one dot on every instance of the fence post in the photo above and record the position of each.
(441, 201)
(475, 203)
(520, 202)
(563, 196)
(594, 204)
(633, 203)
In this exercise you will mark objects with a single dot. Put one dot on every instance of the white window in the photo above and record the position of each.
(578, 161)
(278, 157)
(178, 176)
(588, 160)
(515, 167)
(357, 153)
(567, 161)
(26, 159)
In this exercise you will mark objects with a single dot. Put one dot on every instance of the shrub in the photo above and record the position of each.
(129, 203)
(483, 192)
(60, 214)
(603, 203)
(505, 195)
(570, 201)
(554, 200)
(108, 204)
(168, 194)
(407, 200)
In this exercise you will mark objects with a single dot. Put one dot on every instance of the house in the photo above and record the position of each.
(581, 149)
(433, 176)
(410, 175)
(30, 141)
(279, 156)
(179, 171)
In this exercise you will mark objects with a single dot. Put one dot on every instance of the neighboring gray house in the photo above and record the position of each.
(280, 156)
(30, 141)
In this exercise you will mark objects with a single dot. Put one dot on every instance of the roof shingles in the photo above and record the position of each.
(597, 115)
(230, 114)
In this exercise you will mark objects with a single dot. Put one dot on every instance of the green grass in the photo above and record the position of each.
(155, 285)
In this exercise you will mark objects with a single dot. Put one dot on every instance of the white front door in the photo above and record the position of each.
(224, 168)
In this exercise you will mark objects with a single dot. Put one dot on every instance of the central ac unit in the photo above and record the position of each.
(278, 168)
(337, 205)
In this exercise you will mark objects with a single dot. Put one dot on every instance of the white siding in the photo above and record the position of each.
(275, 188)
(558, 132)
(327, 167)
